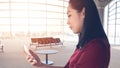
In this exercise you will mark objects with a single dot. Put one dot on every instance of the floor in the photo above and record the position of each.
(13, 56)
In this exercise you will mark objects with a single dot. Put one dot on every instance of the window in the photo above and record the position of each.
(112, 22)
(33, 17)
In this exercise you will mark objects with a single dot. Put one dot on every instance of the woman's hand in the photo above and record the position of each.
(34, 59)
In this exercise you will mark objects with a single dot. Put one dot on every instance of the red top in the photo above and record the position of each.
(95, 54)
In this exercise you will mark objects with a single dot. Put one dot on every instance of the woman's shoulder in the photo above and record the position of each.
(98, 43)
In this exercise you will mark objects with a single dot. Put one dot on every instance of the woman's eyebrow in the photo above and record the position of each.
(68, 12)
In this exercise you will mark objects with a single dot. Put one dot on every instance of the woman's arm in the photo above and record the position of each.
(35, 61)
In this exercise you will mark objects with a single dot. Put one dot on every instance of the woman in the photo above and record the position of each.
(93, 49)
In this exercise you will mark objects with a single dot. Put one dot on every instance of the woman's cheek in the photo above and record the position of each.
(78, 28)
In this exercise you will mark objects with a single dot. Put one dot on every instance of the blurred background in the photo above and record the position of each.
(21, 20)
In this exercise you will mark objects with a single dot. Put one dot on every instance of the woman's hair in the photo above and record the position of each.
(92, 27)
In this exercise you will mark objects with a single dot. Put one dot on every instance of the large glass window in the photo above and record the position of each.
(112, 21)
(32, 17)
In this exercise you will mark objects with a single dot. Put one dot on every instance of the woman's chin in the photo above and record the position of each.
(75, 32)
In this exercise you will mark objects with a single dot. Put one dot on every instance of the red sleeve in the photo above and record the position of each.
(92, 57)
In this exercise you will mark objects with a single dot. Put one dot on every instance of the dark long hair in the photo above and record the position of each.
(92, 27)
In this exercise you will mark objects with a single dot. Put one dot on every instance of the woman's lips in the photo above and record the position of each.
(70, 27)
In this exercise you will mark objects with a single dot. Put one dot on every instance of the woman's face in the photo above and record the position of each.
(75, 19)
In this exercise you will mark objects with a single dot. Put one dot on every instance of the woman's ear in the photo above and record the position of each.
(83, 12)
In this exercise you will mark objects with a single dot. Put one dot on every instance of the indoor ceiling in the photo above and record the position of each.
(102, 3)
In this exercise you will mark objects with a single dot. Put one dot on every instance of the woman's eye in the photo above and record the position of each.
(69, 15)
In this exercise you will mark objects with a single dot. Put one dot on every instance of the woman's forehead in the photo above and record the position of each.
(69, 8)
